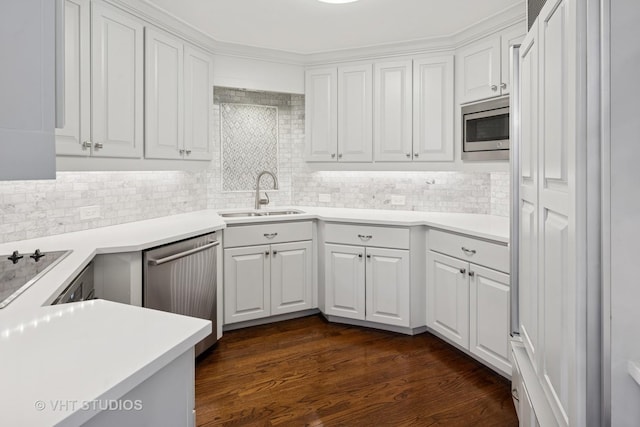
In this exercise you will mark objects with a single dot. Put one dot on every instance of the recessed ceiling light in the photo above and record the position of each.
(337, 1)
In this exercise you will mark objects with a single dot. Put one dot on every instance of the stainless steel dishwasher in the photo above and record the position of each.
(181, 278)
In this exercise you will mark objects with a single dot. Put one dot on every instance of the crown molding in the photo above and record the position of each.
(170, 23)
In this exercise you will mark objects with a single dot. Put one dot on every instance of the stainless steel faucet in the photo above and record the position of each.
(259, 201)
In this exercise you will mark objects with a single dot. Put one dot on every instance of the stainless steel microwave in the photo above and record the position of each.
(485, 130)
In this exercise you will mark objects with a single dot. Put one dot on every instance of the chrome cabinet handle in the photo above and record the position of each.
(98, 146)
(181, 152)
(514, 394)
(494, 88)
(468, 251)
(463, 270)
(270, 235)
(503, 85)
(408, 155)
(86, 145)
(333, 155)
(365, 238)
(340, 155)
(416, 154)
(188, 152)
(471, 273)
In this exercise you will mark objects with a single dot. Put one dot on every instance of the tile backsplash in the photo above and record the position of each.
(30, 209)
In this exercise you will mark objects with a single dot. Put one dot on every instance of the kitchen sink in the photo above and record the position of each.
(254, 213)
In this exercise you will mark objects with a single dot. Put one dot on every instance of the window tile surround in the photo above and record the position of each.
(30, 209)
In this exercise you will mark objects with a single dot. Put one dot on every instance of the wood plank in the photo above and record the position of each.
(309, 372)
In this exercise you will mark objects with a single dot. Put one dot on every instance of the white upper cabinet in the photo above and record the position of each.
(164, 94)
(484, 65)
(117, 65)
(355, 113)
(321, 114)
(74, 138)
(178, 98)
(433, 109)
(198, 101)
(392, 132)
(27, 88)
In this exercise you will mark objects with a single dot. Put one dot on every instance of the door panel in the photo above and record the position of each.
(246, 283)
(198, 101)
(387, 286)
(117, 83)
(448, 297)
(321, 115)
(480, 68)
(291, 277)
(345, 281)
(355, 113)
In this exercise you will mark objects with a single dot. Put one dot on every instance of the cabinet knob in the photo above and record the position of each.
(274, 253)
(98, 146)
(368, 256)
(266, 253)
(359, 255)
(181, 152)
(408, 155)
(416, 154)
(503, 85)
(86, 145)
(471, 273)
(333, 156)
(340, 155)
(494, 88)
(188, 152)
(463, 270)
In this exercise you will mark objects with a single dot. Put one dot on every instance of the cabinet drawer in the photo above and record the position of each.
(481, 252)
(367, 235)
(261, 234)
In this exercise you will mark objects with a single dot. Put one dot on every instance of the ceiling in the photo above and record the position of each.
(309, 26)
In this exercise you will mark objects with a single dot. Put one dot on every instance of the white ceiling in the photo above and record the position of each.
(309, 26)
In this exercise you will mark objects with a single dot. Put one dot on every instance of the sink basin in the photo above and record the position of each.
(259, 213)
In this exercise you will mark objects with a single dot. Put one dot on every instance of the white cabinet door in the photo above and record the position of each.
(393, 106)
(70, 140)
(117, 61)
(344, 281)
(528, 287)
(321, 114)
(198, 101)
(433, 109)
(489, 312)
(291, 277)
(247, 273)
(27, 90)
(511, 36)
(355, 113)
(164, 93)
(387, 286)
(480, 67)
(448, 297)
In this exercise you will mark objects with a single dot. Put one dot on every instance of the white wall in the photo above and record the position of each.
(625, 210)
(231, 71)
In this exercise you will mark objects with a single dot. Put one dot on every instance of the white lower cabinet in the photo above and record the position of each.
(266, 280)
(268, 270)
(467, 303)
(367, 283)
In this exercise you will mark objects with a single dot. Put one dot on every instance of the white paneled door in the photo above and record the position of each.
(392, 107)
(198, 101)
(448, 297)
(433, 109)
(321, 114)
(480, 68)
(117, 65)
(355, 113)
(247, 273)
(388, 287)
(345, 281)
(291, 277)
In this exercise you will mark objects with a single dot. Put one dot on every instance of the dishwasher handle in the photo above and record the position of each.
(182, 254)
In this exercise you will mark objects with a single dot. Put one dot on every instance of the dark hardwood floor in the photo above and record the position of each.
(311, 372)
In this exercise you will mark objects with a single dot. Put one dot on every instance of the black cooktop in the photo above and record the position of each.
(19, 271)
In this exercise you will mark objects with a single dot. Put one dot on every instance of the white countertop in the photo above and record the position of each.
(101, 350)
(87, 351)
